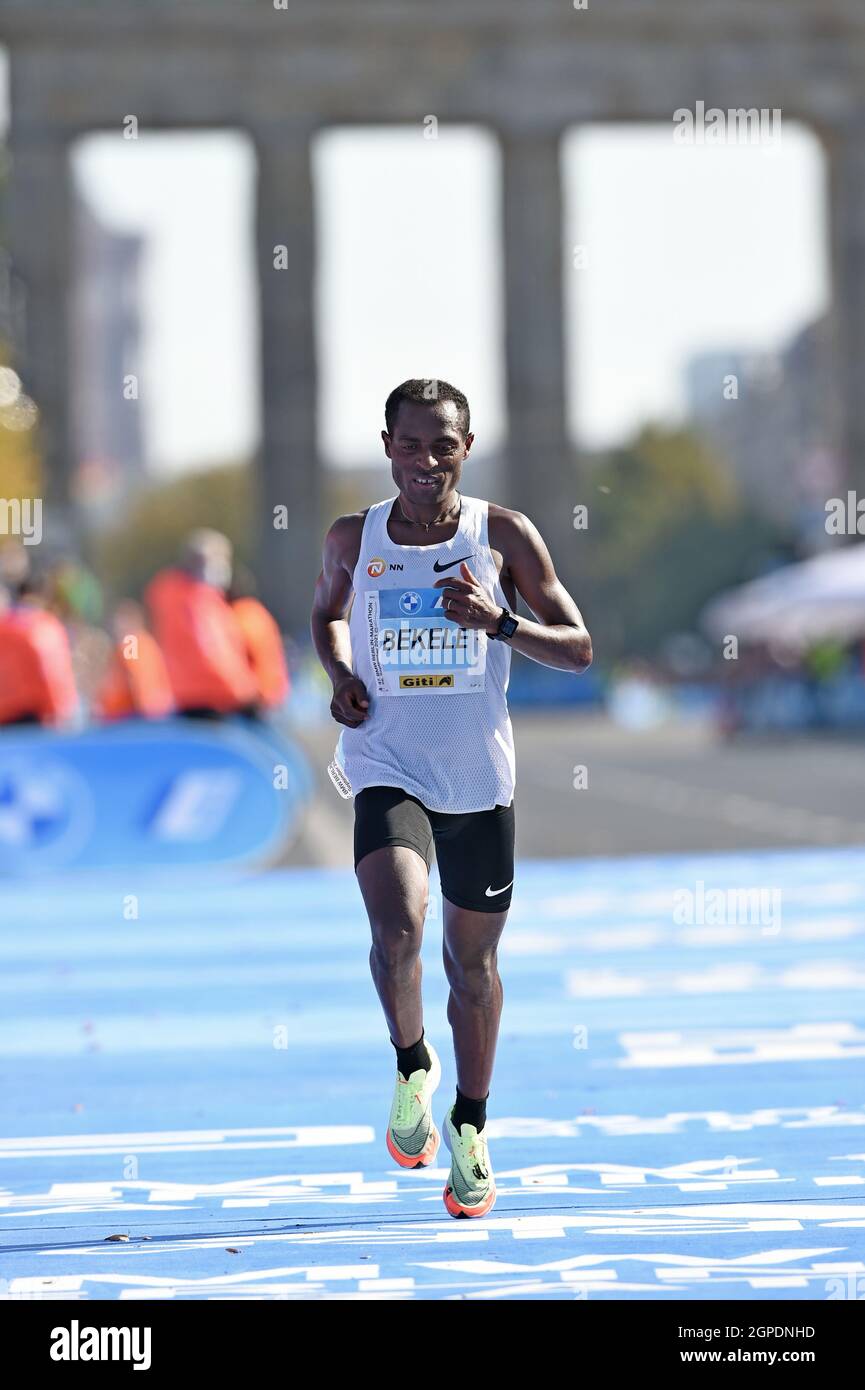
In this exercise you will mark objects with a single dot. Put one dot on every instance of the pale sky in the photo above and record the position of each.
(688, 249)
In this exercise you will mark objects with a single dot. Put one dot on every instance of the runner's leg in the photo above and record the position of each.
(394, 881)
(475, 855)
(476, 994)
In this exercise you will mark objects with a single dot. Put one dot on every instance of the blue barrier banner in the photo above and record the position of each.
(170, 793)
(533, 684)
(792, 702)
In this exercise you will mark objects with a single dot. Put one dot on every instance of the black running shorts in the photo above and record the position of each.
(474, 850)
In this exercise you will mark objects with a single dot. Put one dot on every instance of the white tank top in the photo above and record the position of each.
(438, 723)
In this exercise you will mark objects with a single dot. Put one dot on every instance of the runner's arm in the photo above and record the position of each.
(559, 637)
(331, 602)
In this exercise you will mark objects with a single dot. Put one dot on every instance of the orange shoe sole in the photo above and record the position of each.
(421, 1160)
(455, 1209)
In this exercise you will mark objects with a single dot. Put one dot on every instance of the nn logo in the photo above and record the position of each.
(76, 1343)
(377, 567)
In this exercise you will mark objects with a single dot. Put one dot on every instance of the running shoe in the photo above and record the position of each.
(471, 1187)
(412, 1138)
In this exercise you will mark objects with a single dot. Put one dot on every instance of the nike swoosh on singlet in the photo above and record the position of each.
(491, 892)
(438, 568)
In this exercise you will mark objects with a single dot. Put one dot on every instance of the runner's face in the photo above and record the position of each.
(426, 450)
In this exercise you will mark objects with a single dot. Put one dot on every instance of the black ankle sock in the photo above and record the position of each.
(409, 1059)
(469, 1112)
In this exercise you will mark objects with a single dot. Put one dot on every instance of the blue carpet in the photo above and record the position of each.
(201, 1066)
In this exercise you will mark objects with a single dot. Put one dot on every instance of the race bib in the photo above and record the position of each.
(414, 646)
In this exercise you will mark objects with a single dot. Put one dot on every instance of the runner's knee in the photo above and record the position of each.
(396, 944)
(476, 979)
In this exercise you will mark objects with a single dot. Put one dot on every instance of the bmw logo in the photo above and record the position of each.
(410, 601)
(46, 812)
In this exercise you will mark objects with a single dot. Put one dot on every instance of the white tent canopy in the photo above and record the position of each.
(818, 599)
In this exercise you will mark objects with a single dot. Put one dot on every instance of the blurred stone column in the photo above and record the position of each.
(847, 203)
(287, 560)
(40, 245)
(538, 467)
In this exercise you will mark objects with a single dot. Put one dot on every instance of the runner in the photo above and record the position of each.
(412, 620)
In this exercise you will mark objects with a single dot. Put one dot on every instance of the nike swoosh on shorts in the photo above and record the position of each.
(438, 568)
(491, 892)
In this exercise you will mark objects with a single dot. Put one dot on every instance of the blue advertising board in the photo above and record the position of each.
(169, 793)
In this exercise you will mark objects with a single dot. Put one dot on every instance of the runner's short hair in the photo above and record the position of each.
(426, 391)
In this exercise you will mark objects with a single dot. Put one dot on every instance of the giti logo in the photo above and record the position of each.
(420, 682)
(377, 566)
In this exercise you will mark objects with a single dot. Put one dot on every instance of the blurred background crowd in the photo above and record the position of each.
(200, 645)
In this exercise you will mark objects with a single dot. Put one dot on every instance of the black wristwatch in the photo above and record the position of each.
(508, 625)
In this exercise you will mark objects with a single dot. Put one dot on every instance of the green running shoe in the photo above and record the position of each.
(471, 1187)
(412, 1138)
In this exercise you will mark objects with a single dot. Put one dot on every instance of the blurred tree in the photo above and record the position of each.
(667, 528)
(149, 537)
(20, 473)
(344, 492)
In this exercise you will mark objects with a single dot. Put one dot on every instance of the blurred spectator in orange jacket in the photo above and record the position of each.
(200, 636)
(264, 645)
(136, 683)
(37, 685)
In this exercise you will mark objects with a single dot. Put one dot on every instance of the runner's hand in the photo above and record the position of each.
(467, 602)
(350, 703)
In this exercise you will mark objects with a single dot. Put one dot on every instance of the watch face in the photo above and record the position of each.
(508, 627)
